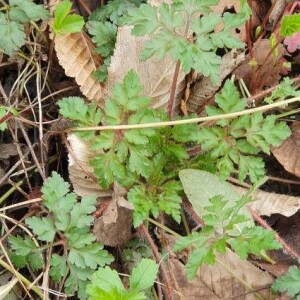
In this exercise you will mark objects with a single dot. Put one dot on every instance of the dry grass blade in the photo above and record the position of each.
(76, 55)
(288, 154)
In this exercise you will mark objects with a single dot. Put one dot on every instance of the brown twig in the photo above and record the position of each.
(144, 232)
(263, 223)
(173, 90)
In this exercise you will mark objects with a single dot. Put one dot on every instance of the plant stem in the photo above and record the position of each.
(185, 121)
(291, 251)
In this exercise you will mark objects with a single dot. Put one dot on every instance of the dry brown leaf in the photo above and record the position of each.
(268, 68)
(288, 154)
(8, 150)
(80, 171)
(271, 203)
(156, 75)
(113, 228)
(203, 89)
(76, 54)
(220, 281)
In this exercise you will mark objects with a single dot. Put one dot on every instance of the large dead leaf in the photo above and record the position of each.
(288, 154)
(76, 55)
(229, 278)
(155, 75)
(80, 171)
(271, 203)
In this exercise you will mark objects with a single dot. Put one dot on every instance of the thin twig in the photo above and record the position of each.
(173, 90)
(144, 232)
(262, 222)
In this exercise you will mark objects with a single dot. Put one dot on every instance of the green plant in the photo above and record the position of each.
(143, 160)
(289, 283)
(225, 225)
(102, 26)
(13, 17)
(178, 30)
(235, 141)
(282, 91)
(290, 25)
(65, 222)
(147, 161)
(106, 283)
(64, 22)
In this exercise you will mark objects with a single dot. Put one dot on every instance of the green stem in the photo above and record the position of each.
(186, 121)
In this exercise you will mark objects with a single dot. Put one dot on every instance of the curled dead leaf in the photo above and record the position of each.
(288, 154)
(76, 54)
(80, 171)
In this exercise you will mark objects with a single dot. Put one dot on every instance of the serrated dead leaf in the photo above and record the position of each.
(221, 281)
(80, 171)
(288, 154)
(156, 75)
(267, 204)
(76, 54)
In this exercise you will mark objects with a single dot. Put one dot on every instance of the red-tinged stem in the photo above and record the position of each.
(144, 232)
(263, 223)
(173, 90)
(6, 117)
(191, 212)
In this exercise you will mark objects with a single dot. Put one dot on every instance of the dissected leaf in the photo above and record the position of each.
(76, 54)
(24, 11)
(289, 283)
(143, 276)
(43, 227)
(200, 186)
(81, 214)
(203, 90)
(12, 36)
(58, 267)
(90, 256)
(290, 25)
